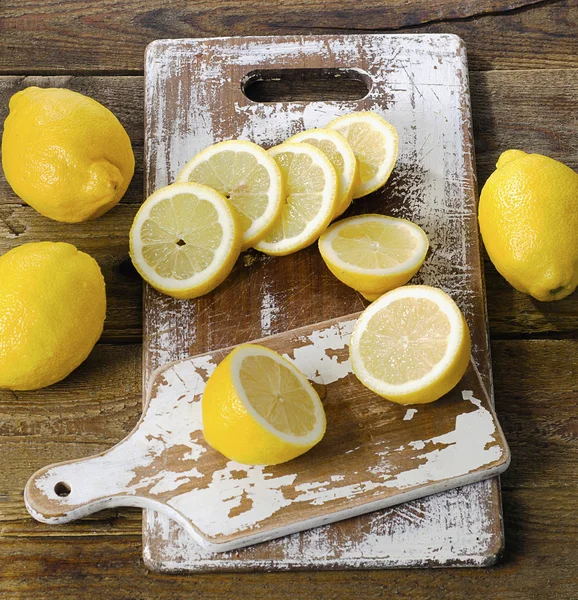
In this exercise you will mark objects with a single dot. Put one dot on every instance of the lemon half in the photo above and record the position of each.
(373, 253)
(411, 346)
(259, 409)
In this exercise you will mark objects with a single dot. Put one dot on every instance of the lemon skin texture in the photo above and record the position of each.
(52, 311)
(65, 154)
(528, 215)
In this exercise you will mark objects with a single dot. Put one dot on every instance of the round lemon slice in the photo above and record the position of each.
(310, 200)
(248, 177)
(373, 253)
(411, 346)
(185, 240)
(339, 152)
(374, 143)
(259, 409)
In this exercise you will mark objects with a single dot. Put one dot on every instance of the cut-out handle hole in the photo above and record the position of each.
(287, 85)
(62, 489)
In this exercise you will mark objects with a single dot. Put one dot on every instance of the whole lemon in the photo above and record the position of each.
(52, 310)
(528, 218)
(65, 154)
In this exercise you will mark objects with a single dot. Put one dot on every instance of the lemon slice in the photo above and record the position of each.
(248, 177)
(185, 240)
(411, 346)
(311, 197)
(339, 152)
(374, 143)
(373, 253)
(259, 409)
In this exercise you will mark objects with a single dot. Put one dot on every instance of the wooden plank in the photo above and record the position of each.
(536, 401)
(543, 102)
(111, 36)
(540, 562)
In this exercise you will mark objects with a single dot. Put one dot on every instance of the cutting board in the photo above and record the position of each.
(193, 98)
(373, 455)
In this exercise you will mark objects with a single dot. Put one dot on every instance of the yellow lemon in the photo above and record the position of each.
(311, 188)
(373, 253)
(528, 218)
(259, 409)
(185, 240)
(374, 142)
(411, 346)
(52, 309)
(248, 177)
(65, 154)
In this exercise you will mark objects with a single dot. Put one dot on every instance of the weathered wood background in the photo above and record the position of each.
(524, 80)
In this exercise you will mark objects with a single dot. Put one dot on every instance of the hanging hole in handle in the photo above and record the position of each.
(62, 489)
(288, 85)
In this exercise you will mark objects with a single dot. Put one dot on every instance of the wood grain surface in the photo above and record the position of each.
(111, 35)
(529, 102)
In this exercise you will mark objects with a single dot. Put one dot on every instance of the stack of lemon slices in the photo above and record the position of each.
(235, 195)
(410, 346)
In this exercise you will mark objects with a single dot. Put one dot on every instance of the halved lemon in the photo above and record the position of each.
(373, 253)
(247, 176)
(185, 240)
(411, 346)
(259, 409)
(310, 199)
(374, 142)
(339, 152)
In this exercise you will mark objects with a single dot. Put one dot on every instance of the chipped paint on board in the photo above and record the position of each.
(165, 464)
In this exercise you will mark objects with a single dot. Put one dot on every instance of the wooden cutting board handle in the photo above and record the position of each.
(66, 491)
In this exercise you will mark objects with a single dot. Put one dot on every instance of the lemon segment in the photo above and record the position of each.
(310, 201)
(52, 311)
(528, 215)
(374, 142)
(411, 346)
(185, 240)
(65, 154)
(373, 253)
(248, 177)
(259, 409)
(339, 152)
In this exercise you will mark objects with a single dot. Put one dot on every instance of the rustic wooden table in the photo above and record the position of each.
(523, 58)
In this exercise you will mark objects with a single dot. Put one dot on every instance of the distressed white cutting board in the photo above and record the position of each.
(374, 453)
(420, 84)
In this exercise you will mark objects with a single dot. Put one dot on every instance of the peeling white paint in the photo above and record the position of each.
(409, 414)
